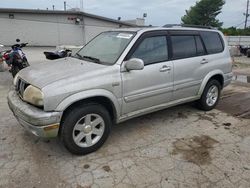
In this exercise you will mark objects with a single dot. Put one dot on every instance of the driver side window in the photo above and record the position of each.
(152, 50)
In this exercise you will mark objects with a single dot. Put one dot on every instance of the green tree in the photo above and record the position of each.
(204, 13)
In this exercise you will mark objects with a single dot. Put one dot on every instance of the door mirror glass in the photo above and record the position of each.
(134, 64)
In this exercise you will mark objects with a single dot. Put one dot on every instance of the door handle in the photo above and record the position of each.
(204, 61)
(165, 68)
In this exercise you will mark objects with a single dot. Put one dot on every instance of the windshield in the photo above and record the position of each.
(106, 48)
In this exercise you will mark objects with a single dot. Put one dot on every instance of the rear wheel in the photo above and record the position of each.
(85, 128)
(210, 96)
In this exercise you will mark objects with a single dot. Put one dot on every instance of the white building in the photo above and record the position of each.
(52, 28)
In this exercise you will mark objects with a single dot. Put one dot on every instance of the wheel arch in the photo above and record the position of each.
(217, 75)
(102, 97)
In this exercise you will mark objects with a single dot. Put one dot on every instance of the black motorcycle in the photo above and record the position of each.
(16, 58)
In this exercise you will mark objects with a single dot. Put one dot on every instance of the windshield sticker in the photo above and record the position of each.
(124, 35)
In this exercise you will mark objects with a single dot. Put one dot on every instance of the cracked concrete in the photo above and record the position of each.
(177, 147)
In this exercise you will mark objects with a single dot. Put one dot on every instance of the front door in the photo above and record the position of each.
(153, 85)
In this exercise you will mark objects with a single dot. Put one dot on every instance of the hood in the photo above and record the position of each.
(43, 74)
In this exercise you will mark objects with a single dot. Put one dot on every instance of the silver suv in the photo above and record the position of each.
(119, 75)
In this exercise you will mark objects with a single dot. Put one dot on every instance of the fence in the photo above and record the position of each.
(238, 40)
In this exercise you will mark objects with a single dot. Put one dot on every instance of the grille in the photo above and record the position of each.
(21, 86)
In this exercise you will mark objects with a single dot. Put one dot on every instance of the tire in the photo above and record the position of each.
(208, 104)
(14, 70)
(248, 53)
(77, 133)
(25, 62)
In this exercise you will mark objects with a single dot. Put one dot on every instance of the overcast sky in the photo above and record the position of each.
(159, 12)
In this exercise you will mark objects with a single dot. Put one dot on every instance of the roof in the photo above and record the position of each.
(38, 11)
(130, 29)
(145, 29)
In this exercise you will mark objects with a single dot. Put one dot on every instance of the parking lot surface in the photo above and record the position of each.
(177, 147)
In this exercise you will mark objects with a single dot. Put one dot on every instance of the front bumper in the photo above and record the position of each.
(35, 120)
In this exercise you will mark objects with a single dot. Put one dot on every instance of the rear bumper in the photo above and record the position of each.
(227, 79)
(35, 120)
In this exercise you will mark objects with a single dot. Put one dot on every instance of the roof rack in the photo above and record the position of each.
(188, 25)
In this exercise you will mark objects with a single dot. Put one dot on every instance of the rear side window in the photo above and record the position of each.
(152, 50)
(183, 46)
(213, 42)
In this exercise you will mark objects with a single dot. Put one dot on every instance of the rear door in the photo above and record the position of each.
(188, 60)
(218, 56)
(153, 85)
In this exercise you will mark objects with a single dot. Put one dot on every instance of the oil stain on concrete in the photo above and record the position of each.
(195, 149)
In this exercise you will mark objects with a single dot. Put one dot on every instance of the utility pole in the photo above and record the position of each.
(65, 5)
(81, 5)
(246, 14)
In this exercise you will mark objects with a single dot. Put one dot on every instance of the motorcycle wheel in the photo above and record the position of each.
(248, 53)
(14, 70)
(25, 63)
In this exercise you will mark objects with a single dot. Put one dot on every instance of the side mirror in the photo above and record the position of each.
(134, 64)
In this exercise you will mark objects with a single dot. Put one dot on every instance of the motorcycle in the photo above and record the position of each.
(1, 58)
(58, 54)
(16, 58)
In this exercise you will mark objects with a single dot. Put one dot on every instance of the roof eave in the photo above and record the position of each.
(38, 11)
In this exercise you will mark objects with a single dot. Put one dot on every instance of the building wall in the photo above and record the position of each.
(50, 29)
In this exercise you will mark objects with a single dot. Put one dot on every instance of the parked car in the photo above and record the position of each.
(119, 75)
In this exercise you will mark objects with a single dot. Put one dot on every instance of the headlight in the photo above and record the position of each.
(15, 79)
(33, 95)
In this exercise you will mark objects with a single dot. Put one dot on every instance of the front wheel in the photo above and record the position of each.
(210, 96)
(25, 62)
(85, 128)
(14, 70)
(248, 53)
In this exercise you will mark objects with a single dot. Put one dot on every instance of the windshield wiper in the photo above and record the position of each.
(96, 60)
(79, 55)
